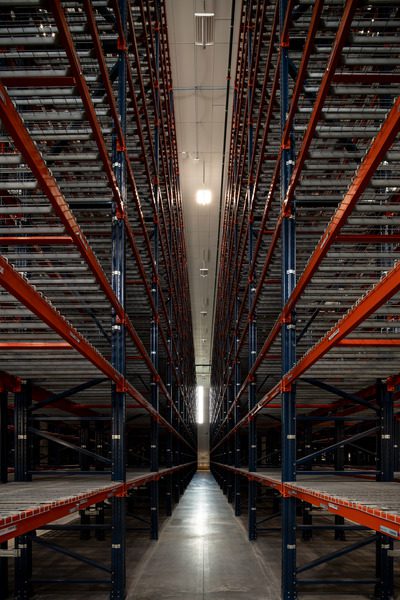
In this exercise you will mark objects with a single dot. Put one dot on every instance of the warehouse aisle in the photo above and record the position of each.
(203, 552)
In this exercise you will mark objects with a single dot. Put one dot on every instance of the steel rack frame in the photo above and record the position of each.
(312, 200)
(97, 351)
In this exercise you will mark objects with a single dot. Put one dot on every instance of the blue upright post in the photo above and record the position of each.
(236, 366)
(384, 589)
(177, 448)
(23, 544)
(3, 479)
(84, 463)
(288, 335)
(170, 385)
(154, 435)
(3, 437)
(168, 500)
(22, 454)
(118, 352)
(339, 466)
(252, 485)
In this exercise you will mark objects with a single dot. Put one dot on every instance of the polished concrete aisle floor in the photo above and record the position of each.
(203, 553)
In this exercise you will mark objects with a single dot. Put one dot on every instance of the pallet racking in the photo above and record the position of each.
(97, 361)
(306, 338)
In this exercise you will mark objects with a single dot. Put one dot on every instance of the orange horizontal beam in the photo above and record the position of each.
(368, 238)
(40, 240)
(371, 517)
(359, 184)
(375, 298)
(35, 346)
(369, 342)
(36, 81)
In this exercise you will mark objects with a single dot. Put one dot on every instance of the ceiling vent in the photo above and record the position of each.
(204, 29)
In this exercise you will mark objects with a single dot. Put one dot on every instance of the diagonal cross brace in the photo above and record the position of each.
(353, 438)
(338, 392)
(57, 440)
(67, 393)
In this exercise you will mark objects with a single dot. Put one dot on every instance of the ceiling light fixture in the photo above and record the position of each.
(204, 29)
(203, 197)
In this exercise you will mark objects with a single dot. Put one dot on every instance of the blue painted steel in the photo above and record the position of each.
(252, 344)
(236, 366)
(339, 466)
(4, 590)
(23, 562)
(62, 581)
(336, 445)
(67, 393)
(170, 382)
(154, 433)
(288, 337)
(21, 433)
(84, 462)
(3, 437)
(384, 588)
(338, 392)
(170, 387)
(118, 352)
(41, 541)
(336, 554)
(326, 581)
(23, 568)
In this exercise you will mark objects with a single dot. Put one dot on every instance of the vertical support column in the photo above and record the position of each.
(23, 568)
(252, 485)
(23, 562)
(178, 449)
(4, 589)
(4, 437)
(231, 398)
(307, 508)
(4, 479)
(84, 461)
(384, 589)
(118, 352)
(288, 335)
(236, 366)
(154, 434)
(396, 446)
(99, 444)
(84, 464)
(236, 417)
(170, 385)
(339, 466)
(22, 455)
(170, 462)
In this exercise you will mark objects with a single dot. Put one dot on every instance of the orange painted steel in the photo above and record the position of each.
(377, 519)
(32, 518)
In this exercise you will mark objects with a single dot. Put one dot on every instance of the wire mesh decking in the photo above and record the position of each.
(305, 355)
(96, 335)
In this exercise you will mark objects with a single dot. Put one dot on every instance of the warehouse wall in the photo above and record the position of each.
(203, 435)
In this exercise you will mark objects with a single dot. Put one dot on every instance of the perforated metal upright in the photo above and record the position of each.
(325, 208)
(95, 260)
(118, 435)
(288, 335)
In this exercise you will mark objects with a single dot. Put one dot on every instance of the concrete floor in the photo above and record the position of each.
(203, 553)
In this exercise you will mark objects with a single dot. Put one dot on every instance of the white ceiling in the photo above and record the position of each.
(199, 79)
